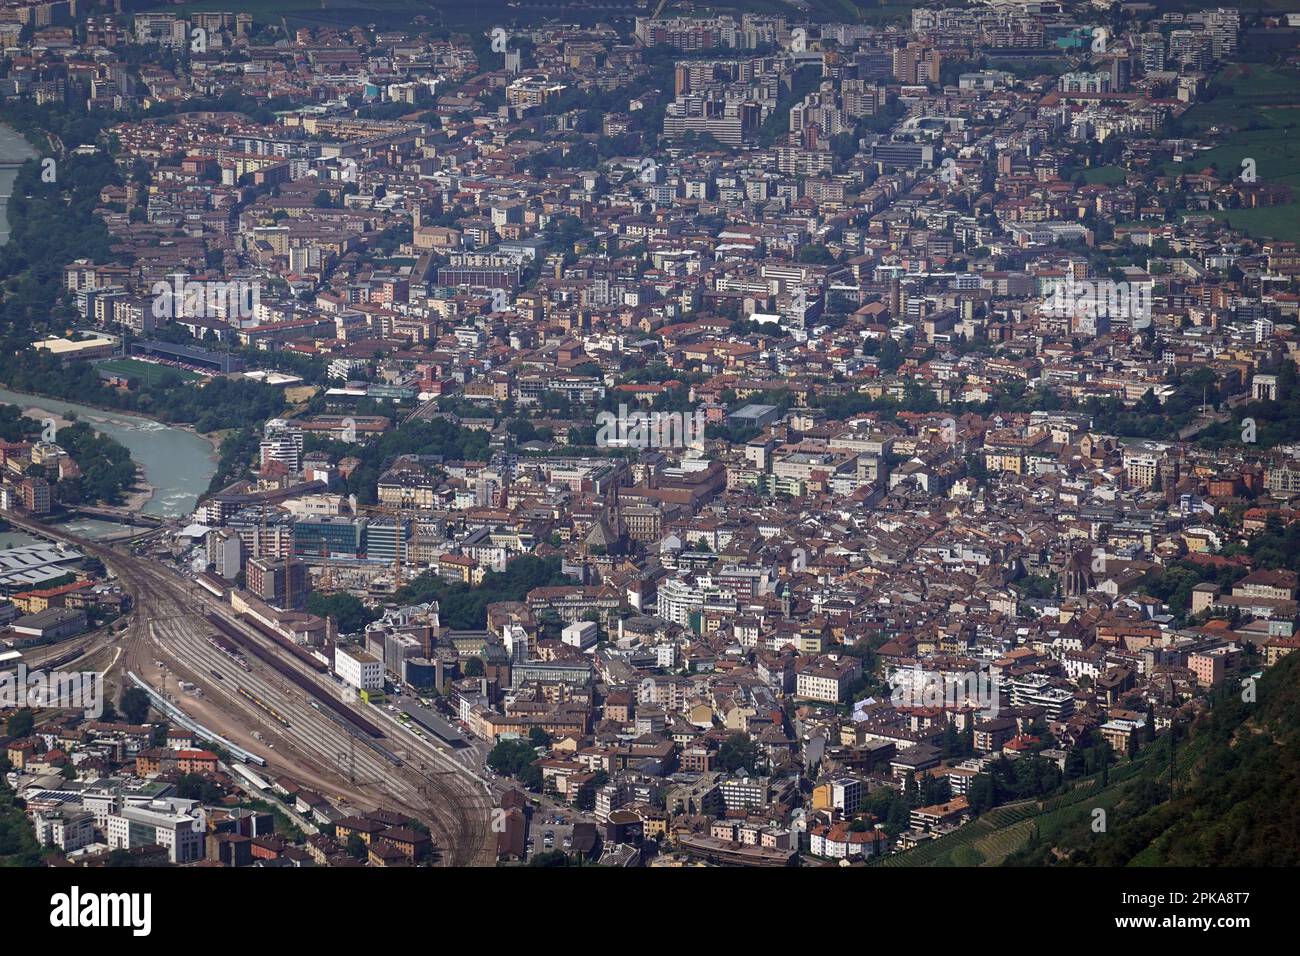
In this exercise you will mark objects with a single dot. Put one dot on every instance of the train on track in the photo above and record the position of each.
(314, 692)
(306, 657)
(10, 660)
(222, 644)
(262, 705)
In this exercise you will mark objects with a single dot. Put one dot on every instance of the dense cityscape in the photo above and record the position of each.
(787, 434)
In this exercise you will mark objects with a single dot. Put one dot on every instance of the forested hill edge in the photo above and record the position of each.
(1237, 804)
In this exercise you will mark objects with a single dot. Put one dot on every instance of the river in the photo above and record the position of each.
(177, 463)
(13, 149)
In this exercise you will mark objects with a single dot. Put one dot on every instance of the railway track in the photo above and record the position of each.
(458, 812)
(170, 616)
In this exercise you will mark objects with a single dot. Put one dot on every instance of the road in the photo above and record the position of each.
(1208, 417)
(313, 747)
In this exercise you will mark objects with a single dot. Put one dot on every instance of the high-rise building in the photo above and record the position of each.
(281, 583)
(35, 494)
(1121, 71)
(1222, 25)
(281, 444)
(1153, 52)
(1191, 49)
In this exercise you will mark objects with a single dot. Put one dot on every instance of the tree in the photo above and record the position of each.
(474, 667)
(739, 751)
(982, 793)
(1075, 765)
(357, 847)
(816, 254)
(18, 846)
(952, 744)
(20, 723)
(193, 786)
(462, 606)
(518, 759)
(531, 778)
(550, 858)
(135, 705)
(346, 609)
(898, 818)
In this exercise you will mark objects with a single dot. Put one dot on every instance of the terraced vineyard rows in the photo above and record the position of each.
(1000, 832)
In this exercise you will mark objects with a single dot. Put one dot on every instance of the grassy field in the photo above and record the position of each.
(1104, 174)
(1253, 95)
(144, 371)
(300, 394)
(1260, 108)
(1276, 153)
(1273, 222)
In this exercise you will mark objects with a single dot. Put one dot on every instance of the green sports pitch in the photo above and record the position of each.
(143, 371)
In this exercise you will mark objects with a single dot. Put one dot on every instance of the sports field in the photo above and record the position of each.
(148, 372)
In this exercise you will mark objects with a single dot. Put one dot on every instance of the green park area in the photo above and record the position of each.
(1256, 110)
(1105, 175)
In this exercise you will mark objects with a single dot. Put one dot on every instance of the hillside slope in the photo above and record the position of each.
(1236, 797)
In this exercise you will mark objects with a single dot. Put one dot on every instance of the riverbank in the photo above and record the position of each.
(140, 494)
(212, 438)
(15, 147)
(175, 463)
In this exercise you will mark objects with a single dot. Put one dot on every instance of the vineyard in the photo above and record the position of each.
(989, 840)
